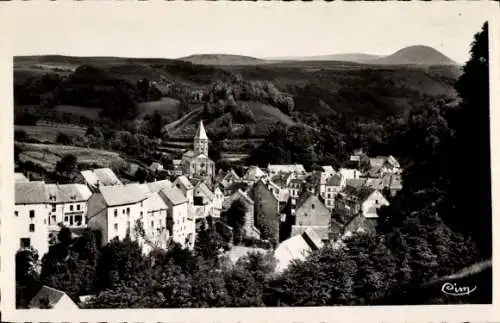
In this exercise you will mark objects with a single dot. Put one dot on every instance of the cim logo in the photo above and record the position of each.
(454, 290)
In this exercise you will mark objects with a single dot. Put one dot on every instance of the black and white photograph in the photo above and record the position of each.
(206, 155)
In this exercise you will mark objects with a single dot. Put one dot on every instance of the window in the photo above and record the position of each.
(312, 206)
(116, 226)
(152, 224)
(123, 211)
(128, 211)
(141, 213)
(116, 213)
(71, 207)
(16, 213)
(71, 220)
(32, 227)
(66, 219)
(53, 219)
(25, 242)
(32, 213)
(78, 219)
(78, 207)
(53, 207)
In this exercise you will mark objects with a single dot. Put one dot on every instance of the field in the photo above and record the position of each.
(48, 155)
(166, 106)
(87, 112)
(50, 132)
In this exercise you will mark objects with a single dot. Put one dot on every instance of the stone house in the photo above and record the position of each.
(249, 229)
(311, 212)
(266, 211)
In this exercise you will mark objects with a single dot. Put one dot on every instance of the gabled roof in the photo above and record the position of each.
(159, 185)
(334, 180)
(20, 178)
(67, 193)
(231, 174)
(297, 247)
(103, 176)
(377, 161)
(375, 183)
(200, 132)
(202, 189)
(359, 193)
(124, 194)
(349, 172)
(184, 181)
(51, 294)
(297, 168)
(30, 193)
(312, 234)
(303, 198)
(244, 195)
(254, 173)
(173, 195)
(358, 182)
(188, 154)
(155, 202)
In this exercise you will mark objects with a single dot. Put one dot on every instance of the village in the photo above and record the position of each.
(286, 209)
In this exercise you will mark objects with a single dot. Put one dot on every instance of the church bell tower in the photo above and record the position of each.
(200, 141)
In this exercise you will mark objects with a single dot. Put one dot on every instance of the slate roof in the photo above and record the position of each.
(294, 248)
(30, 193)
(359, 193)
(358, 182)
(254, 173)
(303, 198)
(174, 195)
(328, 169)
(124, 194)
(20, 178)
(105, 177)
(159, 185)
(296, 168)
(156, 202)
(185, 182)
(314, 235)
(203, 189)
(334, 180)
(67, 193)
(375, 183)
(200, 132)
(52, 294)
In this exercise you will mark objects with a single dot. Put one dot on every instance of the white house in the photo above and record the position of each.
(332, 187)
(218, 200)
(100, 177)
(156, 233)
(297, 247)
(116, 209)
(68, 206)
(253, 174)
(298, 169)
(180, 226)
(20, 178)
(48, 297)
(349, 173)
(31, 212)
(203, 200)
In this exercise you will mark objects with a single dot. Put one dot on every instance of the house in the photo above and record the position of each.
(349, 173)
(381, 165)
(295, 188)
(333, 185)
(297, 169)
(100, 177)
(156, 167)
(297, 247)
(218, 200)
(20, 178)
(249, 229)
(196, 163)
(117, 211)
(31, 213)
(157, 186)
(355, 182)
(229, 178)
(266, 211)
(186, 187)
(203, 201)
(253, 174)
(156, 234)
(180, 226)
(310, 212)
(328, 170)
(48, 297)
(68, 207)
(361, 200)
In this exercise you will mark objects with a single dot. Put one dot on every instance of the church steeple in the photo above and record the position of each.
(201, 141)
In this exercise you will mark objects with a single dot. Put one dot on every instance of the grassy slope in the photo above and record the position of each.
(165, 106)
(49, 133)
(48, 155)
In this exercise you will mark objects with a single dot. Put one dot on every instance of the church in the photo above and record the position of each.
(196, 163)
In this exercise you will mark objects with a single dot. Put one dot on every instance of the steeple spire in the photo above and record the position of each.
(200, 133)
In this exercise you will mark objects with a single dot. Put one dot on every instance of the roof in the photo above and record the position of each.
(328, 169)
(315, 233)
(53, 295)
(203, 189)
(244, 195)
(349, 172)
(254, 173)
(360, 193)
(375, 183)
(334, 180)
(67, 193)
(184, 181)
(295, 248)
(200, 132)
(174, 195)
(303, 198)
(159, 185)
(124, 194)
(296, 168)
(280, 179)
(188, 154)
(358, 182)
(156, 202)
(377, 161)
(30, 193)
(393, 161)
(156, 166)
(20, 178)
(103, 176)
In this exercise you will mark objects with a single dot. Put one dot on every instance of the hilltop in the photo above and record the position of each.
(222, 59)
(415, 55)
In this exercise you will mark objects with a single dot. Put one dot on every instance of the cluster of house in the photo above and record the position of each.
(299, 210)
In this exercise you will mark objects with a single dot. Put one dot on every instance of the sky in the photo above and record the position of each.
(259, 29)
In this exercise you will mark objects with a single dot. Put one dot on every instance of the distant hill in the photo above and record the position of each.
(222, 59)
(415, 55)
(349, 57)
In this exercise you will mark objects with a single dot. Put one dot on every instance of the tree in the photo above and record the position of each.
(259, 265)
(242, 289)
(208, 244)
(63, 139)
(27, 277)
(66, 167)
